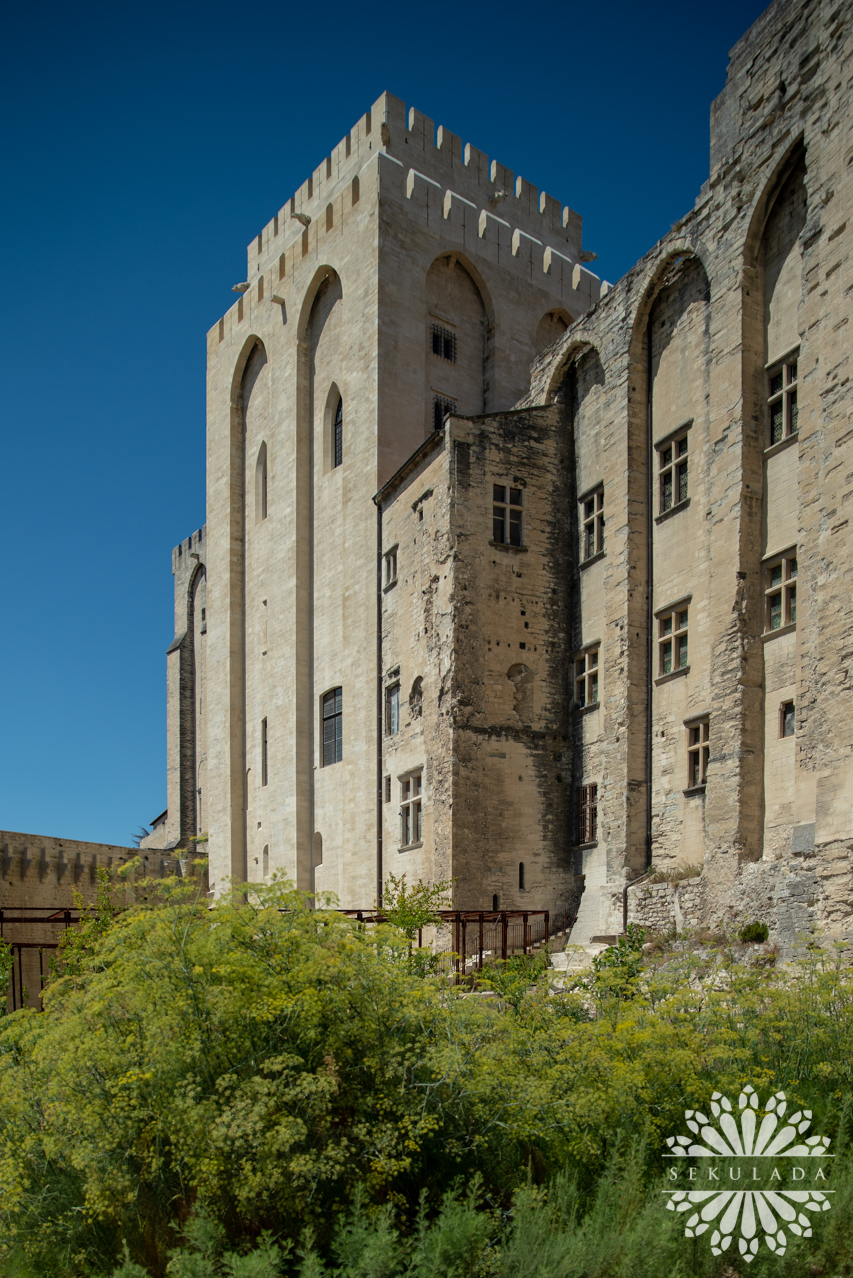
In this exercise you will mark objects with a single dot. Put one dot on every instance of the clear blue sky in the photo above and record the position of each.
(144, 147)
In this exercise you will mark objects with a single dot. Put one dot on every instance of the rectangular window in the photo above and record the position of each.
(586, 677)
(780, 592)
(332, 727)
(507, 515)
(392, 710)
(672, 464)
(787, 719)
(444, 343)
(672, 641)
(387, 789)
(698, 752)
(442, 408)
(264, 753)
(390, 566)
(782, 412)
(592, 533)
(411, 818)
(587, 813)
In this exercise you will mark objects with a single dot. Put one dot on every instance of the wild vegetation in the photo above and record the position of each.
(265, 1088)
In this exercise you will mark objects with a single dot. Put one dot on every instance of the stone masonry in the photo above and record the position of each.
(597, 615)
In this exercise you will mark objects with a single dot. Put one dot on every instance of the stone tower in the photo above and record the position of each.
(406, 280)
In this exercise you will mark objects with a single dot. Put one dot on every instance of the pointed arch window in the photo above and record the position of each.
(332, 727)
(261, 485)
(338, 434)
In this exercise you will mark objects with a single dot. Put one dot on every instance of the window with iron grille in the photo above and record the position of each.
(587, 813)
(586, 677)
(787, 719)
(507, 515)
(392, 710)
(782, 411)
(332, 727)
(444, 343)
(592, 520)
(264, 753)
(672, 640)
(411, 816)
(672, 463)
(780, 591)
(442, 408)
(338, 434)
(698, 752)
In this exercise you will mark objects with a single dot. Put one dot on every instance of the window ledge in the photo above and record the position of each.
(580, 847)
(694, 790)
(513, 550)
(410, 847)
(673, 510)
(593, 705)
(593, 559)
(674, 674)
(782, 445)
(783, 630)
(390, 586)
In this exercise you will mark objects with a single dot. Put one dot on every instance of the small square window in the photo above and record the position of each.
(587, 813)
(442, 408)
(780, 592)
(392, 710)
(507, 515)
(592, 525)
(444, 343)
(787, 720)
(698, 752)
(782, 409)
(411, 813)
(672, 641)
(586, 678)
(672, 466)
(390, 566)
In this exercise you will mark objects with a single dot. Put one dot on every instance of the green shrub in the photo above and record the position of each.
(754, 932)
(236, 1090)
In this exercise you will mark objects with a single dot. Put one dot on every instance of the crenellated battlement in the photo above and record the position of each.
(435, 154)
(189, 552)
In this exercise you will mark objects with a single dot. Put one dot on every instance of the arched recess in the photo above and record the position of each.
(416, 698)
(668, 446)
(249, 414)
(521, 678)
(318, 366)
(550, 329)
(457, 341)
(773, 391)
(333, 410)
(261, 485)
(192, 736)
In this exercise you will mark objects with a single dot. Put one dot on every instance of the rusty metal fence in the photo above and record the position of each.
(476, 937)
(32, 933)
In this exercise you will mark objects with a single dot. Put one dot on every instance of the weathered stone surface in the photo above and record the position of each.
(701, 408)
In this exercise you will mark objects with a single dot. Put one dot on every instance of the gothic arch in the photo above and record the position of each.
(449, 250)
(261, 484)
(333, 398)
(322, 273)
(793, 155)
(550, 328)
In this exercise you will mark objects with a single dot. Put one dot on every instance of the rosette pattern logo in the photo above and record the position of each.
(762, 1148)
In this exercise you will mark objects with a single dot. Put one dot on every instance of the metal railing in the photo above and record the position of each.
(480, 936)
(28, 948)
